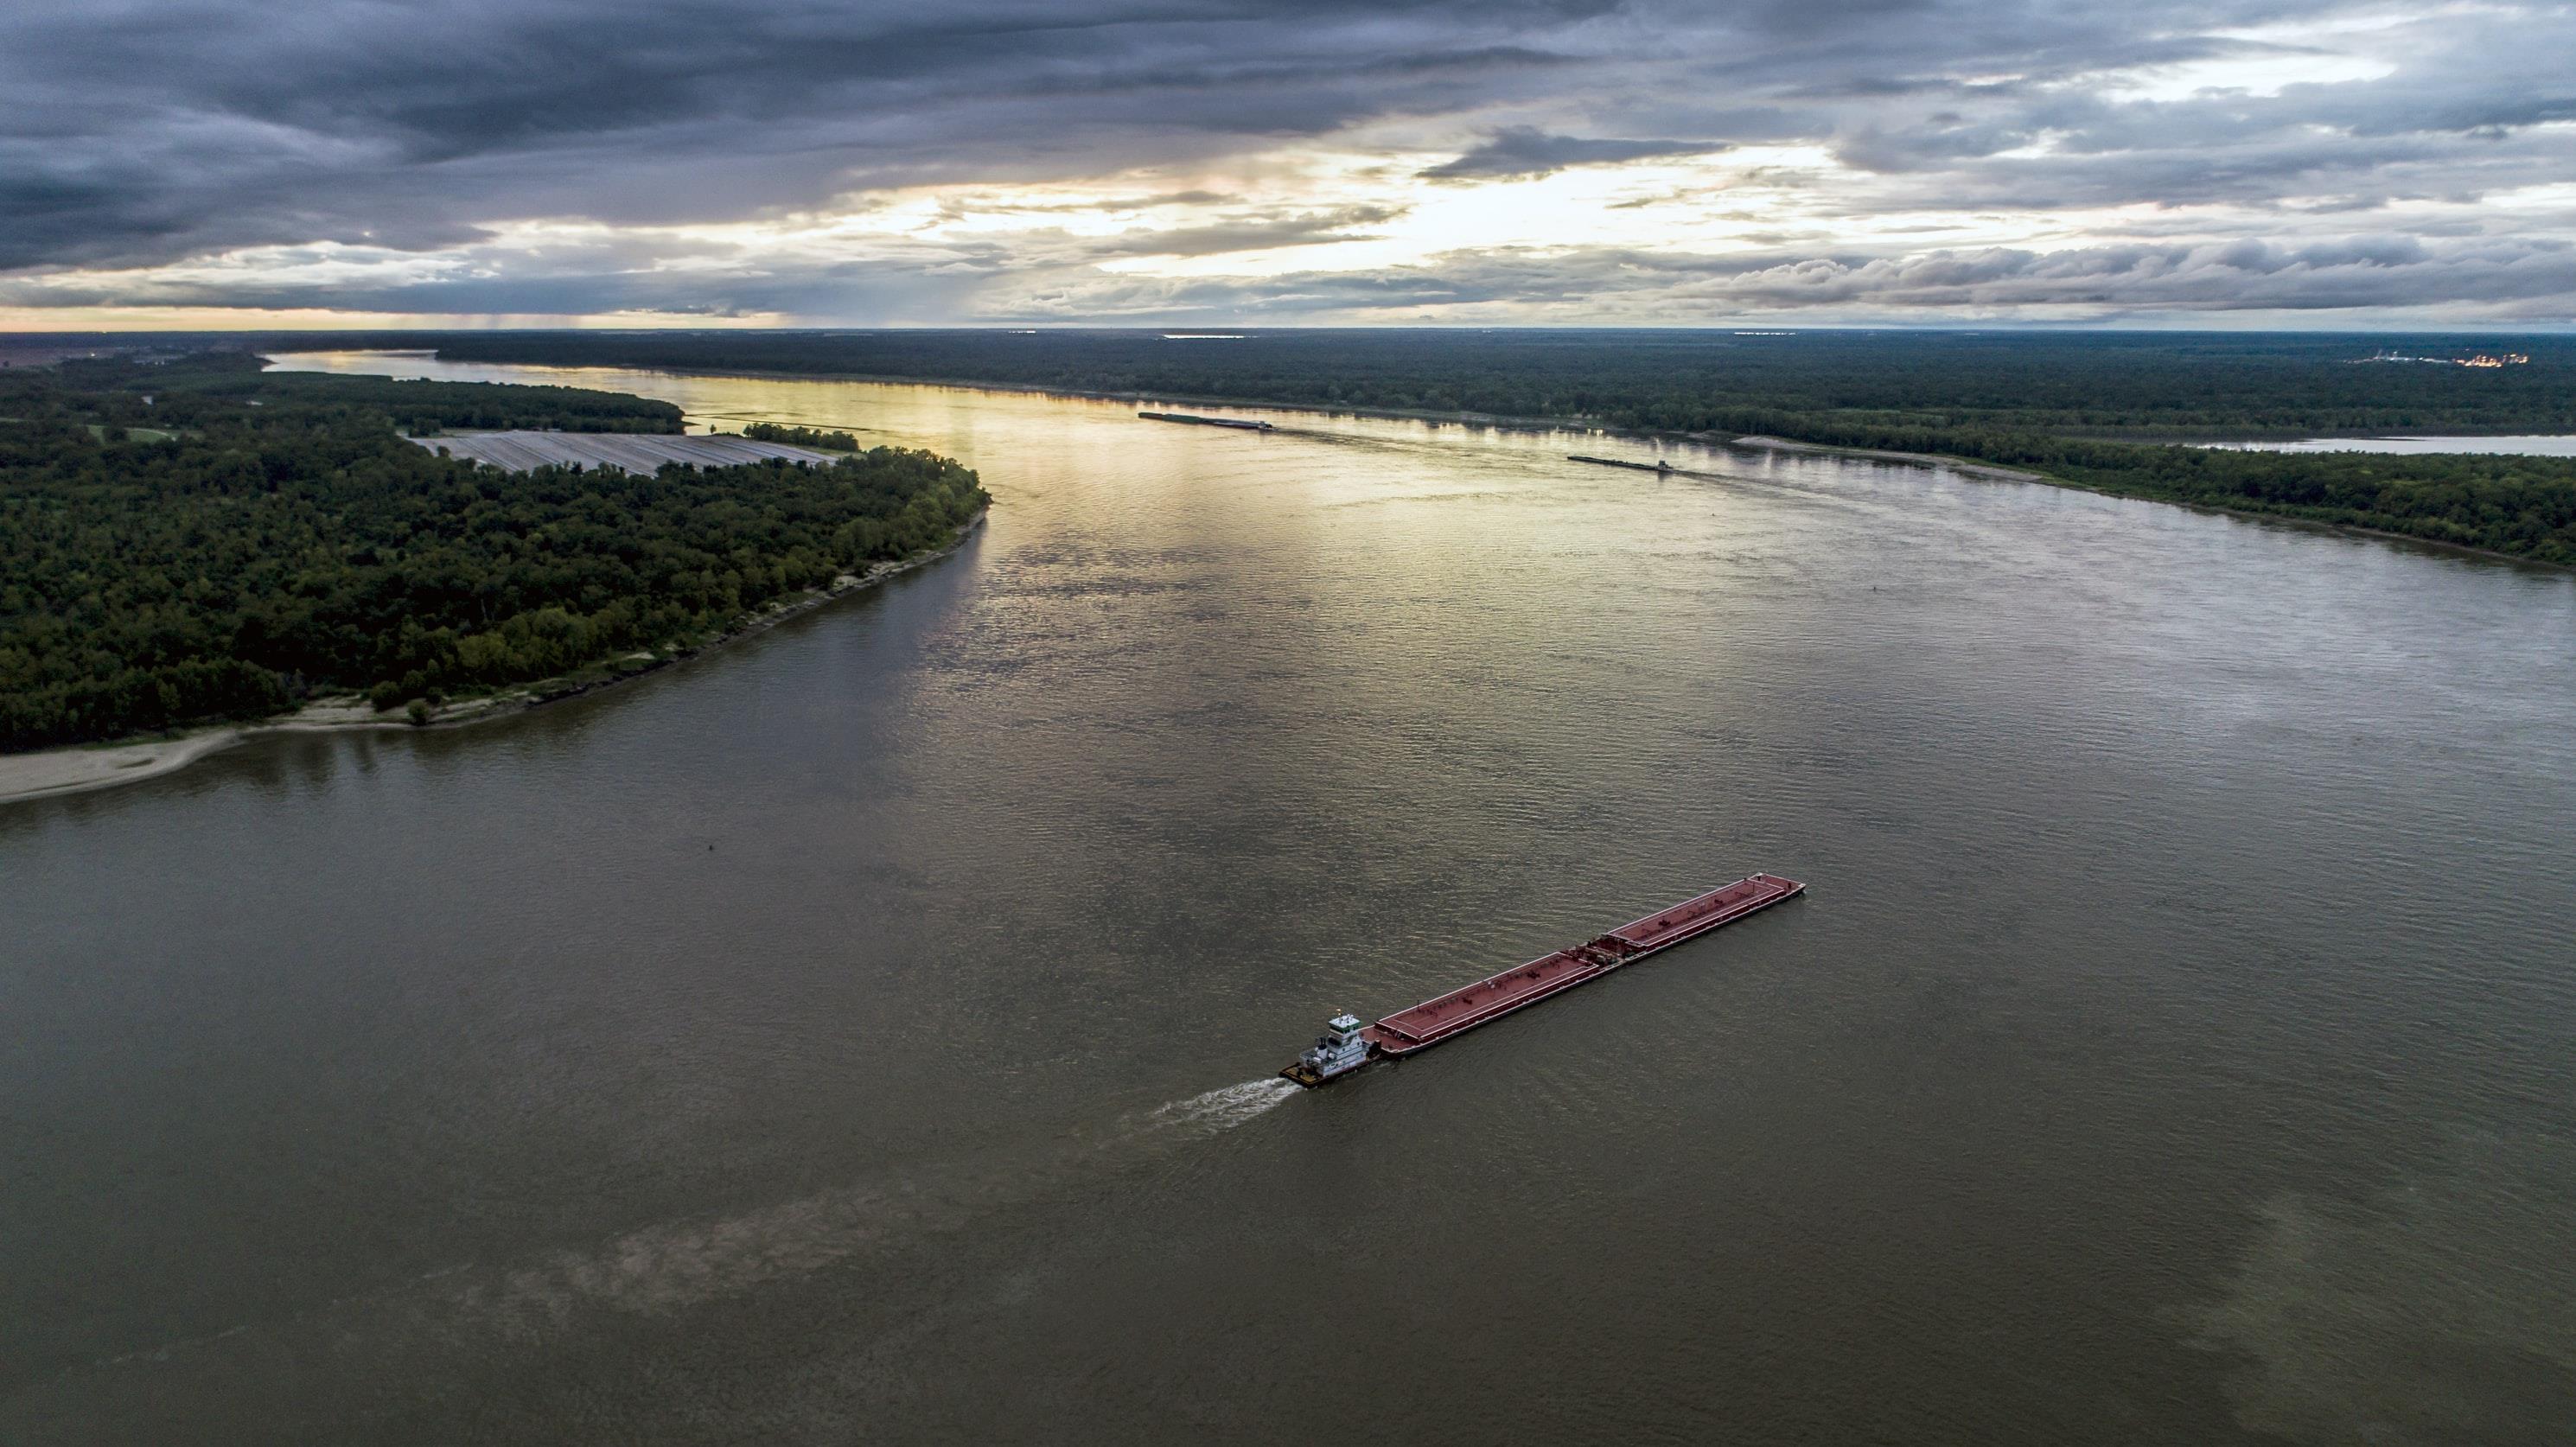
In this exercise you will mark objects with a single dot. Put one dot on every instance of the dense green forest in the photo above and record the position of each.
(2146, 385)
(2097, 409)
(225, 383)
(229, 549)
(814, 437)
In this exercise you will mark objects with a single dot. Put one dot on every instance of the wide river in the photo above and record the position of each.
(866, 1032)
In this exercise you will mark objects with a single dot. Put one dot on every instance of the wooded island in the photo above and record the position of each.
(2100, 410)
(197, 540)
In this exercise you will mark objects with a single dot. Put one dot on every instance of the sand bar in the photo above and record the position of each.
(70, 771)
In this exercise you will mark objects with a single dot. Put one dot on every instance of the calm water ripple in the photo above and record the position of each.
(864, 1032)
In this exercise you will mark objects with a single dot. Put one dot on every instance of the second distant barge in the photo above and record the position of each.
(1235, 423)
(1658, 465)
(1346, 1044)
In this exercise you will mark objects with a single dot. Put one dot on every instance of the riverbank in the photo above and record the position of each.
(1030, 389)
(1985, 471)
(1394, 414)
(81, 768)
(1496, 420)
(1545, 423)
(1751, 441)
(1912, 459)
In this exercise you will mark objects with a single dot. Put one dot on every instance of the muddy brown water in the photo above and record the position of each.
(865, 1032)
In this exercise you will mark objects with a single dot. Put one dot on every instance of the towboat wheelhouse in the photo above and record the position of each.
(1338, 1050)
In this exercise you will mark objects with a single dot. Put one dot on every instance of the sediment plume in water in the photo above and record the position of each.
(471, 1315)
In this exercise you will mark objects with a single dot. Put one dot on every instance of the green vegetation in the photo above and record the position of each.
(281, 541)
(2090, 408)
(2136, 385)
(2522, 506)
(813, 437)
(225, 383)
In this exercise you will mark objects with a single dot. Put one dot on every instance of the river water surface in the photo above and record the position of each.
(864, 1033)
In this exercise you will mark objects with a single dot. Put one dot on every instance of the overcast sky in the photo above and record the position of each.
(821, 162)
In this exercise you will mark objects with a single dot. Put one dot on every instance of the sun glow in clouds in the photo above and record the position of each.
(1677, 167)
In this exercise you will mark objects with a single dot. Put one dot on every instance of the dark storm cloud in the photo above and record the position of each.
(2505, 280)
(2498, 279)
(149, 132)
(1529, 151)
(157, 129)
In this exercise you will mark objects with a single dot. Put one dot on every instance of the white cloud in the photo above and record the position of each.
(829, 163)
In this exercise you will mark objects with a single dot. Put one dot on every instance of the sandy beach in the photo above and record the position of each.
(70, 771)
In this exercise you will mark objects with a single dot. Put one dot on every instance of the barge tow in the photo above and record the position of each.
(1347, 1044)
(1189, 419)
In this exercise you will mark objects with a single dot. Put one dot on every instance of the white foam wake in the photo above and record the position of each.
(1226, 1107)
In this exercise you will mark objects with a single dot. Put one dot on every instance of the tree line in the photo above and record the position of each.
(2137, 385)
(202, 557)
(814, 437)
(2100, 409)
(227, 382)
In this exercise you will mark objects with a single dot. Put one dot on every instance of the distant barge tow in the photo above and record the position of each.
(1185, 417)
(1346, 1044)
(1659, 465)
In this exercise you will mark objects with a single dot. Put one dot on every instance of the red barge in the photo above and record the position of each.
(1347, 1044)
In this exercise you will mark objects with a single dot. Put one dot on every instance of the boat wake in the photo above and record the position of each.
(1225, 1108)
(477, 1315)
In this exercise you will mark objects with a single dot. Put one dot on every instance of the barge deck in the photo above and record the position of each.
(1463, 1009)
(1192, 420)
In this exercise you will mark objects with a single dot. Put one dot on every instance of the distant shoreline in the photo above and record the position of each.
(81, 768)
(1495, 420)
(1987, 471)
(2192, 437)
